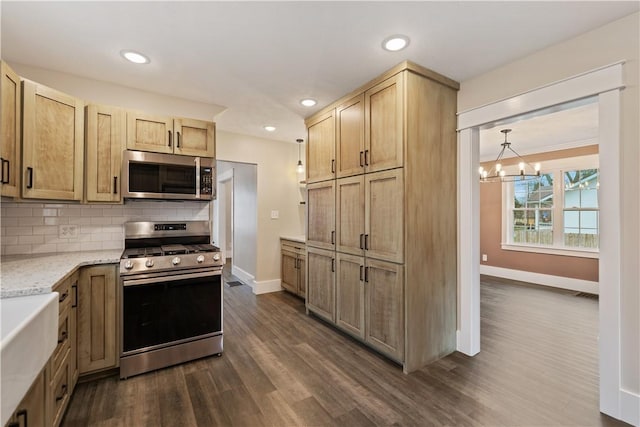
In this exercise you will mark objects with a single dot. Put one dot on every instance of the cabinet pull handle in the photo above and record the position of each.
(63, 389)
(5, 181)
(63, 337)
(361, 159)
(333, 237)
(2, 162)
(362, 273)
(115, 185)
(361, 241)
(63, 296)
(333, 265)
(366, 274)
(29, 177)
(169, 138)
(366, 157)
(177, 139)
(22, 413)
(75, 300)
(8, 162)
(366, 242)
(333, 165)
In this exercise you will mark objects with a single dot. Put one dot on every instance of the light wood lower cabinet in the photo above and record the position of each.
(321, 283)
(350, 294)
(31, 411)
(293, 267)
(321, 215)
(97, 319)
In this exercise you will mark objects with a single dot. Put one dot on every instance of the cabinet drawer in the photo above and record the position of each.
(290, 245)
(64, 342)
(64, 294)
(60, 391)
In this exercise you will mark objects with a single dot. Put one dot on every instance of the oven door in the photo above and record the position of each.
(168, 310)
(166, 176)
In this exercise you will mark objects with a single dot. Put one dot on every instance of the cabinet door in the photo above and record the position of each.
(384, 124)
(31, 410)
(302, 276)
(384, 224)
(350, 215)
(105, 140)
(321, 148)
(73, 331)
(289, 266)
(97, 325)
(321, 283)
(321, 202)
(384, 312)
(149, 133)
(350, 137)
(10, 131)
(194, 137)
(350, 294)
(53, 144)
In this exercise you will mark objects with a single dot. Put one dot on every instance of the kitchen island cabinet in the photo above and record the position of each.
(52, 144)
(10, 111)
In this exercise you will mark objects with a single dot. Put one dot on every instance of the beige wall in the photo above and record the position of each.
(616, 41)
(491, 232)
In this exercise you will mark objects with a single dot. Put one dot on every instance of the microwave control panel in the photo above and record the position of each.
(206, 180)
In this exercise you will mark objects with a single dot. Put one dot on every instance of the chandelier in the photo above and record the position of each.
(498, 173)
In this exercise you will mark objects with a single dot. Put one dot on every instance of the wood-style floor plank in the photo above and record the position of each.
(280, 367)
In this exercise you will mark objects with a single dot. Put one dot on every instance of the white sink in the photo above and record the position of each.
(28, 336)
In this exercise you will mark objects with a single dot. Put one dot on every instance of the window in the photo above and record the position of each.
(557, 212)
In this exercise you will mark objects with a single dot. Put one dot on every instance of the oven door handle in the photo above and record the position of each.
(170, 278)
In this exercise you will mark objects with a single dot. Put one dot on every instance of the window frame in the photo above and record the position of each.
(557, 167)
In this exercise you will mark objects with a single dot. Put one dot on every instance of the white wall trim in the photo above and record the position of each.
(244, 277)
(541, 279)
(630, 407)
(605, 82)
(586, 84)
(266, 286)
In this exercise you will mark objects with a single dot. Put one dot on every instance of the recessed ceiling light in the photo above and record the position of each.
(269, 128)
(135, 57)
(308, 102)
(395, 43)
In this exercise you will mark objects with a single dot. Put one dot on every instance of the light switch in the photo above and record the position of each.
(275, 214)
(484, 257)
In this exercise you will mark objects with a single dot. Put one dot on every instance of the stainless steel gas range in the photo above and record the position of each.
(171, 295)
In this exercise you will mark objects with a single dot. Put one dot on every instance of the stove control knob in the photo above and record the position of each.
(128, 264)
(200, 259)
(216, 257)
(149, 263)
(176, 260)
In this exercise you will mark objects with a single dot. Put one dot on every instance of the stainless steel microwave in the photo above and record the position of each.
(167, 176)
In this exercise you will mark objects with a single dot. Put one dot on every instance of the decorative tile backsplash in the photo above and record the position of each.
(29, 228)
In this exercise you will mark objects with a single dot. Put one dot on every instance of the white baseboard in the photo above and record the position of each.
(246, 278)
(630, 407)
(266, 286)
(541, 279)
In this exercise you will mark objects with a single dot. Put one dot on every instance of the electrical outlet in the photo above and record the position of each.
(484, 257)
(67, 231)
(275, 214)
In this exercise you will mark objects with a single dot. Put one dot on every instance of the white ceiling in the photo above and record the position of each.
(256, 60)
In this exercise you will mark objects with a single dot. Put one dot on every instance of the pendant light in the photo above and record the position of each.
(300, 166)
(498, 173)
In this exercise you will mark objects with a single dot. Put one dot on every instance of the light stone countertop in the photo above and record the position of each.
(31, 274)
(300, 238)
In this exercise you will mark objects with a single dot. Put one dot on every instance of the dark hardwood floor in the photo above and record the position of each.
(538, 366)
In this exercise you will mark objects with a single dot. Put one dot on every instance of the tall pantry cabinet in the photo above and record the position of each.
(381, 231)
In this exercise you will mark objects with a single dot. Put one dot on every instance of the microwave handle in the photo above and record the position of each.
(197, 160)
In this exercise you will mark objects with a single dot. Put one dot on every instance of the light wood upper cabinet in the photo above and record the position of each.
(384, 215)
(105, 140)
(97, 323)
(321, 202)
(350, 294)
(384, 124)
(321, 281)
(10, 111)
(161, 134)
(52, 144)
(350, 137)
(350, 215)
(384, 294)
(194, 137)
(321, 148)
